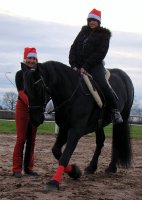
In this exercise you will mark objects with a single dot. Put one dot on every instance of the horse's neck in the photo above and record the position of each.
(62, 83)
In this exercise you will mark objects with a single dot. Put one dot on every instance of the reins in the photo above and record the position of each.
(69, 99)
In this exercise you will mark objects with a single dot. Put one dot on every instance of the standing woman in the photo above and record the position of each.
(26, 133)
(87, 54)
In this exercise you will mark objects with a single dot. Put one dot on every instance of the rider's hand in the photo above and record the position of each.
(82, 70)
(75, 68)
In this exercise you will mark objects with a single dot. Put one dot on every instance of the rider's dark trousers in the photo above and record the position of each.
(26, 134)
(98, 73)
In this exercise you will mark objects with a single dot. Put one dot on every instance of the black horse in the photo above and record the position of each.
(77, 114)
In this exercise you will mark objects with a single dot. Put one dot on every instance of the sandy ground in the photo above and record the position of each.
(124, 185)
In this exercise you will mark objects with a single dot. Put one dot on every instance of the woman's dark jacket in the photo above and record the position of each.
(90, 47)
(19, 80)
(20, 87)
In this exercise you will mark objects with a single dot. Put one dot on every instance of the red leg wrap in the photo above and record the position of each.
(59, 173)
(68, 169)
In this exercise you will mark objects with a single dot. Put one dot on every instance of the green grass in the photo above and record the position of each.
(9, 127)
(49, 128)
(136, 131)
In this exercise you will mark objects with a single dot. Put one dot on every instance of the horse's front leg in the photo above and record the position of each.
(72, 140)
(100, 138)
(59, 143)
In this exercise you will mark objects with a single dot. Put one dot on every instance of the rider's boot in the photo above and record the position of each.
(116, 116)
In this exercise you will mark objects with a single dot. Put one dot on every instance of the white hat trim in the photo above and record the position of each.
(94, 16)
(32, 55)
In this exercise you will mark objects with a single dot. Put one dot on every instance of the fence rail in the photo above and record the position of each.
(5, 114)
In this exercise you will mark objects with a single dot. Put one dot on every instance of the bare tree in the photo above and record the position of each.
(1, 108)
(9, 100)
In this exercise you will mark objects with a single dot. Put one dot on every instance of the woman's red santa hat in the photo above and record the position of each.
(30, 52)
(95, 14)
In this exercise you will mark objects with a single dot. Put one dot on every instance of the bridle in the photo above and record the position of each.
(45, 95)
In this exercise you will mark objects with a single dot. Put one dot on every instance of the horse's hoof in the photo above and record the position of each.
(90, 170)
(75, 173)
(51, 185)
(111, 170)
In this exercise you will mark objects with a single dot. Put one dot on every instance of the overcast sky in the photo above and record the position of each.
(122, 15)
(51, 27)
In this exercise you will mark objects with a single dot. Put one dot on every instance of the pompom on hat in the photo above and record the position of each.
(95, 14)
(30, 52)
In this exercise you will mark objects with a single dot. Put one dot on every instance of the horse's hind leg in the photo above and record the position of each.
(121, 146)
(59, 143)
(100, 138)
(112, 168)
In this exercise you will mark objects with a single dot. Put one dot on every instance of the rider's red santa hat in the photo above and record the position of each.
(95, 14)
(30, 52)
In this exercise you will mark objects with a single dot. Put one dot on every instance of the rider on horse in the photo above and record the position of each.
(87, 53)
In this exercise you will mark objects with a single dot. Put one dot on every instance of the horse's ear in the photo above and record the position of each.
(38, 66)
(24, 67)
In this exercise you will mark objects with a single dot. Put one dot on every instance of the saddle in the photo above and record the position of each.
(93, 89)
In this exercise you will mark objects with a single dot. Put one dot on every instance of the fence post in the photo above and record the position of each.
(56, 128)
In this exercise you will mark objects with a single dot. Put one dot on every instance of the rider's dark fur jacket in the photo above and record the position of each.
(90, 47)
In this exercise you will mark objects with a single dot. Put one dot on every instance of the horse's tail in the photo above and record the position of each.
(122, 144)
(121, 132)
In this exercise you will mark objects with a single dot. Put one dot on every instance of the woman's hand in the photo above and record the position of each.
(75, 68)
(82, 70)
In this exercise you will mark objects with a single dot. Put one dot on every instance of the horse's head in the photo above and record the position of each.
(37, 93)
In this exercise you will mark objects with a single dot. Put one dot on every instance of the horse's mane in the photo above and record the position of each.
(57, 70)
